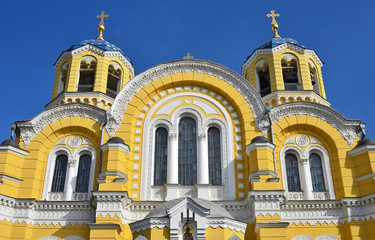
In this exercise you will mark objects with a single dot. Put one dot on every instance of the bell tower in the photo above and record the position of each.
(283, 70)
(91, 72)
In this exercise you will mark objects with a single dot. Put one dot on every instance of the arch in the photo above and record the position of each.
(212, 69)
(314, 76)
(113, 79)
(86, 76)
(187, 151)
(263, 77)
(292, 172)
(291, 72)
(160, 156)
(62, 78)
(150, 124)
(29, 129)
(349, 129)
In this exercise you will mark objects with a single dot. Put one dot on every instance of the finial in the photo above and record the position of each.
(101, 25)
(188, 57)
(274, 23)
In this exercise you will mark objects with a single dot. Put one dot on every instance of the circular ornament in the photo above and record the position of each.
(302, 140)
(187, 100)
(74, 142)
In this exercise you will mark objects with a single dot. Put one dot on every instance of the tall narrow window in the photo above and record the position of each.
(86, 76)
(314, 77)
(59, 174)
(316, 170)
(63, 77)
(113, 80)
(290, 74)
(83, 177)
(214, 156)
(187, 151)
(292, 173)
(263, 78)
(160, 156)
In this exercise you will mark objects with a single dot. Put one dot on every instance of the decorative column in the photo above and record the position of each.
(172, 167)
(69, 183)
(202, 167)
(306, 177)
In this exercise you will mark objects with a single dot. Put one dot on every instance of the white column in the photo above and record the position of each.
(202, 164)
(69, 183)
(306, 179)
(172, 164)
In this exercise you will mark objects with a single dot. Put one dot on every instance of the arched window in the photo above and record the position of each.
(59, 174)
(292, 172)
(263, 78)
(113, 80)
(316, 170)
(83, 176)
(160, 156)
(290, 73)
(86, 75)
(187, 151)
(314, 77)
(214, 156)
(63, 78)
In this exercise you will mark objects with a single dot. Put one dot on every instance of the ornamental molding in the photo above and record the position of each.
(29, 129)
(35, 212)
(283, 46)
(349, 129)
(212, 69)
(97, 50)
(149, 223)
(226, 223)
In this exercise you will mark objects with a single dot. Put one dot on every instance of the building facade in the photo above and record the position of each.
(188, 149)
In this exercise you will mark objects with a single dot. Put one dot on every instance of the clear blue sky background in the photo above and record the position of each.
(34, 33)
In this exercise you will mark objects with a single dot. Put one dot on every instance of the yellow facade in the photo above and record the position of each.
(188, 149)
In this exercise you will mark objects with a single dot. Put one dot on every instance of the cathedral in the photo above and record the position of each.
(188, 149)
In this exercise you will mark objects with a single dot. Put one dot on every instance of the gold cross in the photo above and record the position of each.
(102, 16)
(188, 57)
(273, 15)
(101, 25)
(275, 27)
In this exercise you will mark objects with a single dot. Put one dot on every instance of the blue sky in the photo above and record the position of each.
(34, 33)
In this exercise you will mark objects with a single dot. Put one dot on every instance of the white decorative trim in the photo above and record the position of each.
(252, 146)
(364, 177)
(115, 65)
(74, 142)
(205, 107)
(228, 188)
(212, 69)
(74, 158)
(302, 140)
(322, 152)
(30, 128)
(167, 108)
(88, 59)
(349, 129)
(14, 150)
(289, 141)
(226, 223)
(283, 46)
(10, 178)
(314, 140)
(97, 50)
(34, 212)
(120, 146)
(362, 149)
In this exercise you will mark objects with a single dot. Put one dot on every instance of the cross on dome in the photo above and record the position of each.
(101, 25)
(275, 27)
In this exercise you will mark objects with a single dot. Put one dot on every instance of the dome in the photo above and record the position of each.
(274, 42)
(215, 209)
(259, 139)
(10, 142)
(102, 44)
(365, 142)
(116, 140)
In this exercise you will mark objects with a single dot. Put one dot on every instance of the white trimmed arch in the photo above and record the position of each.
(212, 69)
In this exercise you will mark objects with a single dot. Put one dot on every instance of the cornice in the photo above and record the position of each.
(28, 129)
(97, 50)
(252, 146)
(200, 66)
(359, 150)
(283, 46)
(14, 150)
(349, 129)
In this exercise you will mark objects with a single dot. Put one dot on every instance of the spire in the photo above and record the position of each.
(275, 27)
(101, 26)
